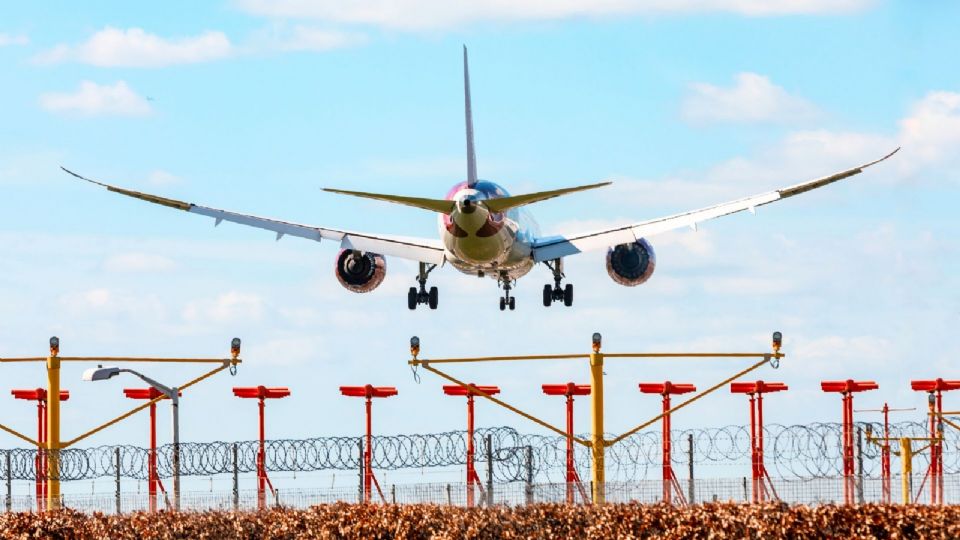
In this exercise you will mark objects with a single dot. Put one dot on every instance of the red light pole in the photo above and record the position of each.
(261, 393)
(666, 389)
(369, 392)
(456, 390)
(40, 462)
(153, 477)
(761, 479)
(935, 389)
(847, 388)
(569, 390)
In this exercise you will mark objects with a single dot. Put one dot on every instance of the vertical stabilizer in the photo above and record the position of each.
(471, 152)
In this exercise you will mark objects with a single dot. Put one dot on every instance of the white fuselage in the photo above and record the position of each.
(479, 242)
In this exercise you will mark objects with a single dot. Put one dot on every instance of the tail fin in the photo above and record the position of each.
(443, 206)
(471, 151)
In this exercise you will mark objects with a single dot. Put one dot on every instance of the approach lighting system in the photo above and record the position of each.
(54, 345)
(235, 347)
(414, 346)
(100, 373)
(597, 339)
(777, 341)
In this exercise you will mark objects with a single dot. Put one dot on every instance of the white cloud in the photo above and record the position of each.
(163, 178)
(282, 38)
(233, 306)
(433, 14)
(92, 99)
(134, 47)
(138, 262)
(13, 39)
(931, 133)
(753, 98)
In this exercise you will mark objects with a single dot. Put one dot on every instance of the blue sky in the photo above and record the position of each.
(254, 106)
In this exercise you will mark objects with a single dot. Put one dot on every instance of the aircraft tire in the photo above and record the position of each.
(568, 295)
(503, 304)
(412, 298)
(513, 303)
(547, 295)
(434, 297)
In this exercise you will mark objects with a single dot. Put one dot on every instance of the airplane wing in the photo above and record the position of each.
(548, 248)
(415, 249)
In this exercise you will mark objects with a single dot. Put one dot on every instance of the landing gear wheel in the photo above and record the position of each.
(547, 295)
(513, 303)
(503, 304)
(412, 298)
(557, 293)
(568, 295)
(433, 297)
(417, 296)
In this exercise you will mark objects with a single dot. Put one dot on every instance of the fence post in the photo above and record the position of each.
(746, 495)
(9, 500)
(236, 478)
(489, 470)
(860, 465)
(529, 486)
(449, 498)
(393, 493)
(360, 471)
(690, 467)
(116, 476)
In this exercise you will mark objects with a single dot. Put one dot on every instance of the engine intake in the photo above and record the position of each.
(631, 264)
(360, 271)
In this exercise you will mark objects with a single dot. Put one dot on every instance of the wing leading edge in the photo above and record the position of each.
(415, 249)
(548, 248)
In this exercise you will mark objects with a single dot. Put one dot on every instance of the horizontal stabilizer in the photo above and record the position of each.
(436, 205)
(505, 203)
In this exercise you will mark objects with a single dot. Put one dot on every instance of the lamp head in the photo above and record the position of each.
(597, 341)
(777, 341)
(54, 346)
(235, 347)
(931, 400)
(414, 346)
(100, 373)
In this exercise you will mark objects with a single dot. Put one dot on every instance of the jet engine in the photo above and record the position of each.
(360, 271)
(631, 264)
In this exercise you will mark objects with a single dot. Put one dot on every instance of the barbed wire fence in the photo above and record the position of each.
(806, 451)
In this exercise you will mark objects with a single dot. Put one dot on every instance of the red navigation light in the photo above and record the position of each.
(934, 385)
(457, 390)
(38, 394)
(368, 391)
(666, 388)
(758, 387)
(261, 392)
(848, 385)
(568, 389)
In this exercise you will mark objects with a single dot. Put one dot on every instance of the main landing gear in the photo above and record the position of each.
(416, 297)
(506, 301)
(557, 293)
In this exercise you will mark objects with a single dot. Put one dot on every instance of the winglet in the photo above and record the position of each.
(468, 112)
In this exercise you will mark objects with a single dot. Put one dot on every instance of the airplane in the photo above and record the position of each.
(485, 231)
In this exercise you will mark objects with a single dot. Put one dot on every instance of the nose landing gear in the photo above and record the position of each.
(419, 296)
(557, 292)
(506, 301)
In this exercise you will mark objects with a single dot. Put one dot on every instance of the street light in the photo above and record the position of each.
(101, 373)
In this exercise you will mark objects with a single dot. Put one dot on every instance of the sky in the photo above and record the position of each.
(254, 106)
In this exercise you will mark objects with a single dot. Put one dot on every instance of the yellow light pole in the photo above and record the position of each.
(598, 444)
(53, 424)
(906, 453)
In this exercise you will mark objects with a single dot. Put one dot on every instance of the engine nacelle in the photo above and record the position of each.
(360, 271)
(631, 264)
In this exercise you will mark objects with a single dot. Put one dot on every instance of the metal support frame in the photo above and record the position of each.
(569, 390)
(762, 485)
(884, 444)
(40, 461)
(53, 443)
(671, 486)
(847, 388)
(369, 480)
(261, 394)
(935, 389)
(597, 442)
(473, 479)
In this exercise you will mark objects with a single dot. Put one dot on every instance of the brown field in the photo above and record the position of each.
(713, 521)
